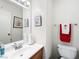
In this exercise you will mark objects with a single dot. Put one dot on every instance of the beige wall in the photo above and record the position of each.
(66, 11)
(39, 7)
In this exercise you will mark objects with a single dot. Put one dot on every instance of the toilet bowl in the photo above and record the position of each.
(67, 52)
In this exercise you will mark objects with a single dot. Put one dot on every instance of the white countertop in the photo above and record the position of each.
(23, 53)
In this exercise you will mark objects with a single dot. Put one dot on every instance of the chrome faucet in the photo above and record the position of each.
(17, 45)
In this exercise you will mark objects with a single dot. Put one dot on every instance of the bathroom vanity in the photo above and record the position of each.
(34, 51)
(38, 55)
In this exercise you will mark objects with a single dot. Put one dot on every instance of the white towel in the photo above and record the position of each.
(65, 29)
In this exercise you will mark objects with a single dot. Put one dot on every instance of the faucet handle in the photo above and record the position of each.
(17, 45)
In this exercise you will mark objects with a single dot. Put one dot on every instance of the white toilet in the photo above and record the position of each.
(67, 52)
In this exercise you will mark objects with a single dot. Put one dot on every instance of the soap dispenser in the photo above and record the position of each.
(1, 49)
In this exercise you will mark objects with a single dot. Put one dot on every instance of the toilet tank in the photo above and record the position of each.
(67, 51)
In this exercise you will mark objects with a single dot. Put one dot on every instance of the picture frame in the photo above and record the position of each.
(38, 21)
(17, 22)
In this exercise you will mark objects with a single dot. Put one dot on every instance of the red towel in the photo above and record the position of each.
(65, 37)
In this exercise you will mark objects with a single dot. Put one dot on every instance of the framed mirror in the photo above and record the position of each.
(11, 17)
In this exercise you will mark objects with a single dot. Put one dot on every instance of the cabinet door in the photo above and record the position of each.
(38, 55)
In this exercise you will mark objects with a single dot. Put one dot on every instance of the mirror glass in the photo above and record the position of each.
(11, 22)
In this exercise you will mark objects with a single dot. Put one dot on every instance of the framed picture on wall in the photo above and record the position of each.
(38, 21)
(17, 22)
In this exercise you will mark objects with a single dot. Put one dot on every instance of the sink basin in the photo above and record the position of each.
(17, 54)
(20, 53)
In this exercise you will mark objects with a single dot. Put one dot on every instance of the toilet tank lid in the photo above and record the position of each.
(67, 47)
